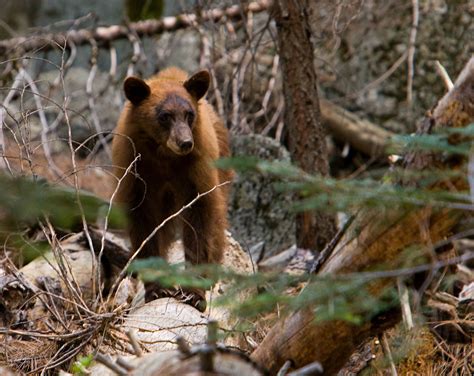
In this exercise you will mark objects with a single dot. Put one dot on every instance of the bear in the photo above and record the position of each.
(163, 151)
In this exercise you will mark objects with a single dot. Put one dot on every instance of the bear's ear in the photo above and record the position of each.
(136, 90)
(197, 84)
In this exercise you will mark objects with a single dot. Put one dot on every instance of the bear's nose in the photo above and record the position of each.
(186, 145)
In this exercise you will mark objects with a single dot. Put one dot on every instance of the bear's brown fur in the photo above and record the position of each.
(177, 136)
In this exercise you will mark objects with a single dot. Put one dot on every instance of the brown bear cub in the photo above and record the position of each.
(176, 136)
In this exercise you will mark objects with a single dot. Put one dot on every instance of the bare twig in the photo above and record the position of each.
(284, 368)
(113, 62)
(381, 78)
(65, 270)
(411, 51)
(237, 82)
(3, 111)
(470, 174)
(388, 353)
(76, 186)
(90, 95)
(48, 335)
(135, 41)
(109, 210)
(403, 272)
(69, 62)
(268, 92)
(275, 118)
(326, 252)
(134, 342)
(183, 346)
(444, 75)
(124, 364)
(43, 121)
(405, 304)
(279, 131)
(110, 364)
(217, 93)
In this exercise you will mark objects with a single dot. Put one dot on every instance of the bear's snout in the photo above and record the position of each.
(186, 145)
(181, 140)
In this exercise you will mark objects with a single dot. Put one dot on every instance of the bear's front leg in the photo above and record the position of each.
(204, 229)
(142, 225)
(204, 236)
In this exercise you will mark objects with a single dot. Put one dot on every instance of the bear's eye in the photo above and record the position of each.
(164, 117)
(190, 117)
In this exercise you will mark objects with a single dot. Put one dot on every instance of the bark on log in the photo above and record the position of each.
(361, 134)
(375, 238)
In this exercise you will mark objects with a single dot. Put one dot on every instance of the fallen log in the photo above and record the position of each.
(361, 134)
(374, 238)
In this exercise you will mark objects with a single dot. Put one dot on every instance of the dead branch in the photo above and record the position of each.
(444, 75)
(132, 337)
(103, 35)
(110, 364)
(375, 238)
(411, 52)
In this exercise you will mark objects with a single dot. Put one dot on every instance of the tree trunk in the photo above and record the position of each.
(376, 238)
(306, 135)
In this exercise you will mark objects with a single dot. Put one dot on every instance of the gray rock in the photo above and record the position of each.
(373, 41)
(180, 48)
(257, 211)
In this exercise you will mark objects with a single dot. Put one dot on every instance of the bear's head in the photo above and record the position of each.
(168, 109)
